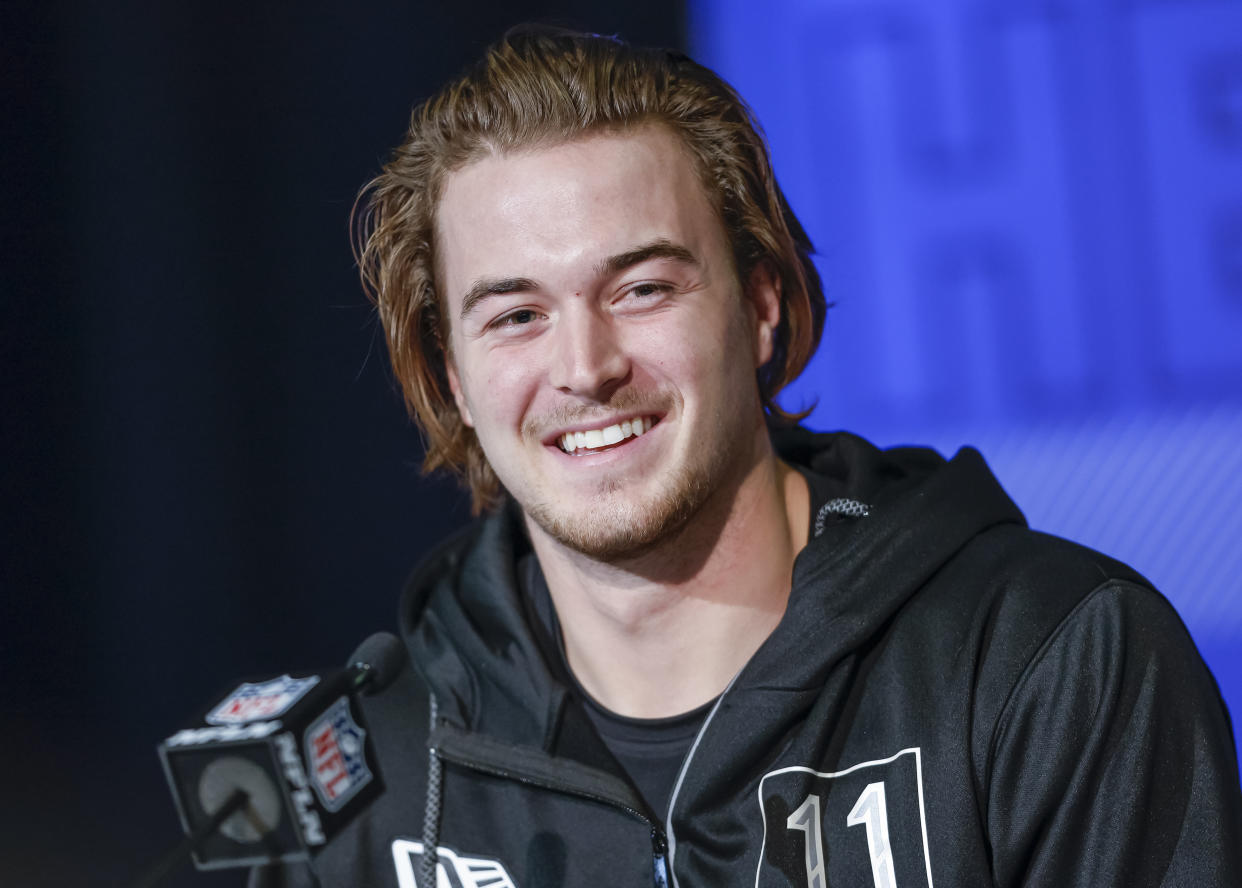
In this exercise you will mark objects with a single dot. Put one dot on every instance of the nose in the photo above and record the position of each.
(588, 359)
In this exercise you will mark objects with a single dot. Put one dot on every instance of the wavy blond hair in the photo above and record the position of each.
(545, 86)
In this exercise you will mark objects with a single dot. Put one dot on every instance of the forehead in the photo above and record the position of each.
(558, 208)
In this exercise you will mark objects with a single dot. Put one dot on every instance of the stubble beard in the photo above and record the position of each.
(613, 528)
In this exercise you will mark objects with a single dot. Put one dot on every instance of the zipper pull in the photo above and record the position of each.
(659, 858)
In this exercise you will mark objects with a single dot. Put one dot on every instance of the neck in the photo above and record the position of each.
(666, 632)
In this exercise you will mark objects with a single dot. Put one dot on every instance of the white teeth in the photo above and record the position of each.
(593, 439)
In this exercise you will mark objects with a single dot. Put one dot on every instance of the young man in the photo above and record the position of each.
(690, 643)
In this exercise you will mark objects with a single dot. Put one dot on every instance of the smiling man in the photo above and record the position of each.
(603, 352)
(689, 642)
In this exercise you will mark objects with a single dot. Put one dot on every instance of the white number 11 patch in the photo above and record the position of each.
(863, 826)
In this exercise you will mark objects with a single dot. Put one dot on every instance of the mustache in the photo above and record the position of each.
(629, 402)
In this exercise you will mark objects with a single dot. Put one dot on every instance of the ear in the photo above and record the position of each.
(763, 297)
(450, 370)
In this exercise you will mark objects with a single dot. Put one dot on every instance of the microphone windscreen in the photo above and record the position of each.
(384, 655)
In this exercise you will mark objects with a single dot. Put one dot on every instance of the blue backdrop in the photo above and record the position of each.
(1029, 217)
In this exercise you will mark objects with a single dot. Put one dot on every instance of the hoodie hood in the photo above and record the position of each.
(466, 628)
(470, 639)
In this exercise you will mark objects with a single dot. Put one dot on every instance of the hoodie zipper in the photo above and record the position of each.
(659, 842)
(659, 857)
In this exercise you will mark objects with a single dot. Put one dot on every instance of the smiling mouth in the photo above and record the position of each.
(591, 440)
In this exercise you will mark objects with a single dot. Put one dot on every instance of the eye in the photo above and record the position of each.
(647, 290)
(519, 318)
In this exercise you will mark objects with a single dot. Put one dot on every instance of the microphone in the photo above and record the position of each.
(279, 766)
(378, 660)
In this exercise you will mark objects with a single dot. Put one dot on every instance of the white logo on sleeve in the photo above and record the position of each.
(453, 870)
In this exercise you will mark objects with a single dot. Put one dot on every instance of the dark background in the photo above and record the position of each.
(207, 470)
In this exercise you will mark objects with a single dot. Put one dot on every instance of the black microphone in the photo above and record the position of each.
(295, 747)
(378, 660)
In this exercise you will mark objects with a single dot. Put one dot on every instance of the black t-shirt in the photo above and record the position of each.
(650, 750)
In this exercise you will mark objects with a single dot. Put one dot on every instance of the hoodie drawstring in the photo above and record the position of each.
(428, 875)
(841, 507)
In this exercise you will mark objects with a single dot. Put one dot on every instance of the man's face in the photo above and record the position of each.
(602, 346)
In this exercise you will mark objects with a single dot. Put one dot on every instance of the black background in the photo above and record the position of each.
(207, 470)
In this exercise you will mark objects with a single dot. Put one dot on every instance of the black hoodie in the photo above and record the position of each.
(950, 699)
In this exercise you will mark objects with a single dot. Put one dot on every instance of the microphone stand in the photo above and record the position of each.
(183, 849)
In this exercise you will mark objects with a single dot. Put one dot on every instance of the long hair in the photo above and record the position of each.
(544, 86)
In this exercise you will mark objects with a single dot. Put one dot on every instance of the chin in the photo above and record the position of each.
(617, 529)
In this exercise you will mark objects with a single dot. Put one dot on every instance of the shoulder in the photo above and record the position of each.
(1035, 591)
(483, 553)
(1098, 717)
(1061, 617)
(1024, 588)
(1049, 623)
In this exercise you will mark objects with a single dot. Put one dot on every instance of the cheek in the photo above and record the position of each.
(500, 387)
(717, 361)
(685, 355)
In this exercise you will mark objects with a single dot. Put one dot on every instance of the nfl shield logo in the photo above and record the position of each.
(335, 756)
(253, 701)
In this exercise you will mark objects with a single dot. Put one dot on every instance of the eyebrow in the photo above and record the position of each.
(485, 287)
(661, 248)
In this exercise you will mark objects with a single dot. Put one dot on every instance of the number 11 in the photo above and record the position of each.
(869, 811)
